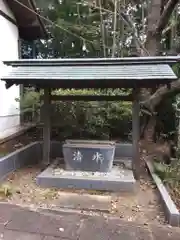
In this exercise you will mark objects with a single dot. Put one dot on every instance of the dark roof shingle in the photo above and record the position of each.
(86, 73)
(140, 72)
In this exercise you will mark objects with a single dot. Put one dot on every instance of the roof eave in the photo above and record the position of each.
(28, 21)
(44, 31)
(170, 60)
(90, 83)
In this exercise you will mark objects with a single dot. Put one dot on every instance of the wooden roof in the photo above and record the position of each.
(170, 60)
(91, 73)
(29, 23)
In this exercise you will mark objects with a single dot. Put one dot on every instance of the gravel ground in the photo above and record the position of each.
(142, 207)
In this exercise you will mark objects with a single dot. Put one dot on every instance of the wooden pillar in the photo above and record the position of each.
(136, 133)
(46, 126)
(33, 50)
(21, 87)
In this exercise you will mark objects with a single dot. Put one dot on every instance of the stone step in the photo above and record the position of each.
(87, 202)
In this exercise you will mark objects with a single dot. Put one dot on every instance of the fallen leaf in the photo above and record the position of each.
(61, 229)
(130, 219)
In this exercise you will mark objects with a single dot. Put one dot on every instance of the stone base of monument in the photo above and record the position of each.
(117, 180)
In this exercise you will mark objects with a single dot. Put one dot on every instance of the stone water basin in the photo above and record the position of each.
(82, 141)
(92, 155)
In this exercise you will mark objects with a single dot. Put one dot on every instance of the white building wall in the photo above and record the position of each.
(9, 108)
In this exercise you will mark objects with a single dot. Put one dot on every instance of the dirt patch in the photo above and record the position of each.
(142, 206)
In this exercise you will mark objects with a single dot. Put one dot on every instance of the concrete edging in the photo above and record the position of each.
(172, 214)
(19, 158)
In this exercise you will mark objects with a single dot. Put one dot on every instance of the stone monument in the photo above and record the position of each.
(88, 164)
(94, 156)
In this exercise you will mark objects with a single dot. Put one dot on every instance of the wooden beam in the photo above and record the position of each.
(91, 98)
(47, 126)
(136, 134)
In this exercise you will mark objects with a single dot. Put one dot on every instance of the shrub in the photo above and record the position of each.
(102, 120)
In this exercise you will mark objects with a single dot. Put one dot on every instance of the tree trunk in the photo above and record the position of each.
(150, 130)
(153, 48)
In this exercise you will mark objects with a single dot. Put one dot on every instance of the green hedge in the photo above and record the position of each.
(103, 120)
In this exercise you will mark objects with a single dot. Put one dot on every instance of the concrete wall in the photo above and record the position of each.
(9, 108)
(30, 154)
(124, 150)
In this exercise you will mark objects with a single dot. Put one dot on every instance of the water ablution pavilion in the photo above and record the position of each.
(91, 164)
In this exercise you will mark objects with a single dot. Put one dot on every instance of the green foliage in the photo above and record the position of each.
(162, 170)
(170, 174)
(5, 191)
(80, 29)
(102, 120)
(30, 101)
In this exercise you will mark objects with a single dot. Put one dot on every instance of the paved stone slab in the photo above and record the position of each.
(28, 225)
(6, 212)
(64, 225)
(115, 230)
(2, 226)
(26, 221)
(84, 201)
(165, 233)
(13, 235)
(54, 238)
